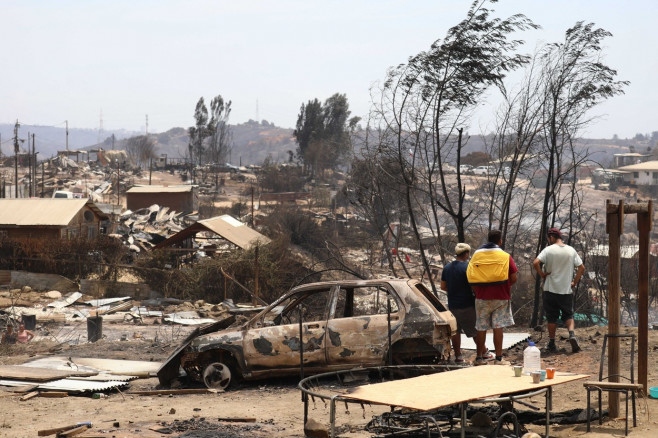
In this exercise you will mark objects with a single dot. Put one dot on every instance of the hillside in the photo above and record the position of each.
(252, 142)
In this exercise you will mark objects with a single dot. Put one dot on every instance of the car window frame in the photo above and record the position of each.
(336, 293)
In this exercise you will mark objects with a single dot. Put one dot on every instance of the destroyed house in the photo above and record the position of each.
(178, 198)
(50, 218)
(208, 233)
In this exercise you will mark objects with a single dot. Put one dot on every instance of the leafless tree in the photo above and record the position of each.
(140, 150)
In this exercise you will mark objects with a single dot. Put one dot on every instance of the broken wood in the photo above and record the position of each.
(29, 395)
(72, 432)
(237, 420)
(53, 394)
(46, 432)
(172, 391)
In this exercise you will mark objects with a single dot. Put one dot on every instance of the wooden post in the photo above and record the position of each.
(256, 274)
(614, 228)
(644, 225)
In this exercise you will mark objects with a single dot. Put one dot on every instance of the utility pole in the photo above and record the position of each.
(29, 168)
(33, 173)
(67, 139)
(16, 159)
(113, 141)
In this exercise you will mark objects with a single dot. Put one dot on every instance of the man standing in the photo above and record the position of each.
(461, 300)
(491, 273)
(559, 260)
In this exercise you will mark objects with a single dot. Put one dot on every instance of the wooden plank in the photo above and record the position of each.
(72, 432)
(53, 431)
(614, 226)
(173, 391)
(612, 385)
(53, 394)
(17, 372)
(438, 390)
(29, 395)
(237, 420)
(644, 224)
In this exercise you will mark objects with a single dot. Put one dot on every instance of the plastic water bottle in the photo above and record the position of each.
(531, 359)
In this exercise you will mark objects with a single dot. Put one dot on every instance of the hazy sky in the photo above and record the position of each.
(71, 60)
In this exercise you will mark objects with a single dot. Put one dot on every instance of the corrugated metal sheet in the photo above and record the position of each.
(66, 301)
(105, 301)
(70, 385)
(160, 189)
(44, 212)
(234, 231)
(509, 340)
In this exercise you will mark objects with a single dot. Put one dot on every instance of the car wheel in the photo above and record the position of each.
(217, 376)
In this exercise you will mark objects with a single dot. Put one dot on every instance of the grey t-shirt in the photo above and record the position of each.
(560, 261)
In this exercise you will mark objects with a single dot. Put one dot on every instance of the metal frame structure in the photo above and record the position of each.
(309, 386)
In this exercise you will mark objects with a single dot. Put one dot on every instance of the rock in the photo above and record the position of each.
(172, 411)
(199, 303)
(26, 289)
(315, 430)
(531, 435)
(53, 294)
(480, 419)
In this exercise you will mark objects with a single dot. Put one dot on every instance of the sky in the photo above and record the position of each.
(123, 61)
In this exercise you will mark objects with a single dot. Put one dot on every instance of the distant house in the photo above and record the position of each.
(641, 174)
(178, 198)
(630, 158)
(214, 230)
(50, 218)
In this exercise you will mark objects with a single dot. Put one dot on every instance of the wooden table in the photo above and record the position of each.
(457, 387)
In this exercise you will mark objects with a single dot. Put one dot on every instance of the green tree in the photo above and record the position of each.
(322, 133)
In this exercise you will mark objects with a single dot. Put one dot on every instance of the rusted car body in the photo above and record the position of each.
(345, 324)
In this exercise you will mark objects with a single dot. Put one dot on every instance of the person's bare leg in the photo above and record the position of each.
(480, 339)
(456, 344)
(498, 341)
(552, 328)
(569, 323)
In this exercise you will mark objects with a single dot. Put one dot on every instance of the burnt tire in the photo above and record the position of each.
(218, 375)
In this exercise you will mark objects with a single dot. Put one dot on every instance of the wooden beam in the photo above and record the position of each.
(614, 227)
(638, 207)
(644, 225)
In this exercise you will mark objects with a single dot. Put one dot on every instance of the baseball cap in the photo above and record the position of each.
(461, 248)
(554, 232)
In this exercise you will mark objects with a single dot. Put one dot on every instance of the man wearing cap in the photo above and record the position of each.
(559, 260)
(491, 273)
(461, 300)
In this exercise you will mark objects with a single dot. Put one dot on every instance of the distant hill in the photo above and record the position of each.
(252, 142)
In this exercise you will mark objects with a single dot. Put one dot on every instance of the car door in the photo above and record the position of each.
(357, 330)
(272, 341)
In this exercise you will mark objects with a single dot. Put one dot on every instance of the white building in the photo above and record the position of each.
(642, 174)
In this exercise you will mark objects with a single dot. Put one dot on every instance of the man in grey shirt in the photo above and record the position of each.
(559, 260)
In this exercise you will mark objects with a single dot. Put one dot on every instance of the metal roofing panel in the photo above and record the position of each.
(234, 231)
(160, 189)
(70, 385)
(647, 165)
(509, 341)
(48, 212)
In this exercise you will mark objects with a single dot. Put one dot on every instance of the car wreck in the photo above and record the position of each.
(345, 324)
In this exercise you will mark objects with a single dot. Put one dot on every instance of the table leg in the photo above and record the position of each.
(462, 407)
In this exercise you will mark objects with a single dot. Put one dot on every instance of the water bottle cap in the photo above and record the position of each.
(531, 344)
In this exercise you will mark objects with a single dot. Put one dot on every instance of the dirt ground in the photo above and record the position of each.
(275, 405)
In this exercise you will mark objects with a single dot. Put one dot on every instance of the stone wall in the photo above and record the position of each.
(42, 282)
(110, 289)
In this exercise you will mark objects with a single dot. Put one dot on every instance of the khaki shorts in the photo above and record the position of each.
(465, 321)
(493, 314)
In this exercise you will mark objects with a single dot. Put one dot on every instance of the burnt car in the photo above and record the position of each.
(345, 324)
